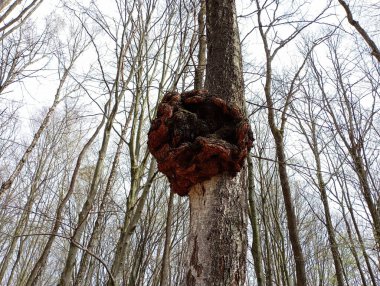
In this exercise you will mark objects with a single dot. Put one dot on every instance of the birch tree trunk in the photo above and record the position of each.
(7, 184)
(165, 270)
(218, 239)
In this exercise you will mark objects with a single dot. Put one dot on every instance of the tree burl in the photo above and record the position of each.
(197, 136)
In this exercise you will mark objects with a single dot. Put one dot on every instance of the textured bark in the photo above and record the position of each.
(197, 136)
(256, 244)
(217, 242)
(362, 32)
(278, 133)
(199, 72)
(218, 207)
(165, 271)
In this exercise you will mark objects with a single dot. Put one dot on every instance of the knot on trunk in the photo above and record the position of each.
(197, 136)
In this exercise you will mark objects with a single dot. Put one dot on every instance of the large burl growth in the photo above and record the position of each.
(197, 136)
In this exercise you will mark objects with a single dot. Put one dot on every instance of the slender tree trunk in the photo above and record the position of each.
(23, 221)
(281, 158)
(256, 244)
(165, 271)
(76, 237)
(41, 262)
(265, 222)
(313, 143)
(96, 233)
(6, 185)
(352, 248)
(360, 239)
(18, 256)
(329, 225)
(199, 72)
(218, 207)
(131, 219)
(290, 212)
(362, 174)
(354, 146)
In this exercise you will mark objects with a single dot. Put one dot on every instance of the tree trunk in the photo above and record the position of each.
(321, 185)
(6, 185)
(278, 134)
(290, 212)
(99, 225)
(256, 244)
(66, 274)
(165, 271)
(41, 262)
(131, 218)
(218, 207)
(329, 225)
(21, 225)
(199, 71)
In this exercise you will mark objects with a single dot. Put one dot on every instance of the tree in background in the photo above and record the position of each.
(218, 239)
(108, 217)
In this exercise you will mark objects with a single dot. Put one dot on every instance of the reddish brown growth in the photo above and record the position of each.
(197, 136)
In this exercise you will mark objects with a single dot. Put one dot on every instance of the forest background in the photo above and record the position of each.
(81, 201)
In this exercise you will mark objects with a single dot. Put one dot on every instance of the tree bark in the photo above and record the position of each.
(375, 50)
(218, 207)
(278, 136)
(256, 244)
(99, 225)
(6, 185)
(199, 72)
(41, 262)
(165, 271)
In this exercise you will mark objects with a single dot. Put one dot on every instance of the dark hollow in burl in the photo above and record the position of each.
(197, 136)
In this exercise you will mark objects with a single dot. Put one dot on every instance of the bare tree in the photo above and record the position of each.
(310, 128)
(87, 205)
(353, 134)
(218, 239)
(65, 65)
(14, 13)
(363, 33)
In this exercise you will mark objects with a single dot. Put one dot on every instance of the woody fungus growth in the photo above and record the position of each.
(196, 136)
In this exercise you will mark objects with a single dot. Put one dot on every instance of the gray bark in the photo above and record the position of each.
(6, 185)
(165, 271)
(218, 239)
(199, 72)
(41, 262)
(256, 244)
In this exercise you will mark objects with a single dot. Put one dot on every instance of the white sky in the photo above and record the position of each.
(36, 93)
